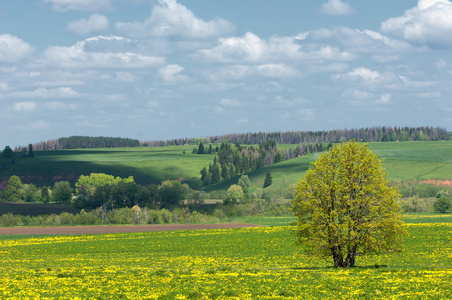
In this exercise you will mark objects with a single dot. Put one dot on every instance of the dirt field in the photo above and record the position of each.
(116, 228)
(447, 183)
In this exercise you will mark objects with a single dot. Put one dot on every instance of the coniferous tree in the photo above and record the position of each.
(215, 178)
(268, 179)
(201, 148)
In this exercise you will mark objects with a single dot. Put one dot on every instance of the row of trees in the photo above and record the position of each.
(372, 134)
(19, 192)
(83, 142)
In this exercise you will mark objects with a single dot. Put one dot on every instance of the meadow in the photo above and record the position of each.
(404, 161)
(245, 263)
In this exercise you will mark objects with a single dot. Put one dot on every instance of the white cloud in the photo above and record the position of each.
(82, 5)
(95, 23)
(360, 97)
(4, 86)
(363, 75)
(306, 112)
(290, 103)
(252, 49)
(171, 73)
(56, 105)
(39, 125)
(43, 93)
(94, 53)
(357, 41)
(230, 103)
(170, 18)
(125, 77)
(429, 22)
(384, 99)
(153, 103)
(336, 7)
(239, 72)
(13, 49)
(26, 106)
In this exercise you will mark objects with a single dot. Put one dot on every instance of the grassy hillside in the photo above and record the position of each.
(403, 161)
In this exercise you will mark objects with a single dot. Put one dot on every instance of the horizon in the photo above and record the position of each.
(19, 147)
(157, 70)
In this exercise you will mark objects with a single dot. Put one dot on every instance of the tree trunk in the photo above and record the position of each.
(337, 257)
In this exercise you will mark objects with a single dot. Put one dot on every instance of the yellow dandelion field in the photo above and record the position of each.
(246, 263)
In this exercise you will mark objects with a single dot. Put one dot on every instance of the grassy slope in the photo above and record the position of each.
(403, 161)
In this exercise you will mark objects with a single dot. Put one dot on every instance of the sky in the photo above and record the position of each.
(166, 69)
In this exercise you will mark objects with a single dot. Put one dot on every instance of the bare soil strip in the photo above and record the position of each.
(116, 228)
(437, 182)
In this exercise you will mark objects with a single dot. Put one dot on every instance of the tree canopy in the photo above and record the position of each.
(346, 207)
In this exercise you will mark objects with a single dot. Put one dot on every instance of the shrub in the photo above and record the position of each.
(442, 204)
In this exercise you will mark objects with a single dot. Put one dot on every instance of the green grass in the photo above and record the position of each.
(404, 161)
(248, 263)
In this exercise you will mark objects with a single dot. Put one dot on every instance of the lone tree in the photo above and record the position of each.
(345, 206)
(268, 179)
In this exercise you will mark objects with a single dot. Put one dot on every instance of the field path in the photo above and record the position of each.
(117, 228)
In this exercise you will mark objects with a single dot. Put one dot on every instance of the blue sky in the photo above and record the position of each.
(164, 69)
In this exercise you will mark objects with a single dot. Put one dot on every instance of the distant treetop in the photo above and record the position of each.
(371, 134)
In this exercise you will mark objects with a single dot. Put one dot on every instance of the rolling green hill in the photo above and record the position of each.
(403, 161)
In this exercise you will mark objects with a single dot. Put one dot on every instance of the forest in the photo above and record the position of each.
(372, 134)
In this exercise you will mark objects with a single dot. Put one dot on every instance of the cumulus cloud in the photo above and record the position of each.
(239, 72)
(25, 106)
(429, 22)
(360, 97)
(95, 23)
(336, 7)
(94, 53)
(43, 93)
(4, 86)
(170, 18)
(56, 105)
(13, 49)
(369, 77)
(354, 40)
(81, 5)
(125, 77)
(172, 73)
(252, 49)
(230, 103)
(39, 125)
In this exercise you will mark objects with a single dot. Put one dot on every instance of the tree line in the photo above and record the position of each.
(85, 142)
(370, 134)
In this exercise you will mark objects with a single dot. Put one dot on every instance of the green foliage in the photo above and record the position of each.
(30, 153)
(13, 191)
(442, 204)
(7, 152)
(61, 192)
(30, 193)
(172, 192)
(200, 148)
(244, 182)
(45, 194)
(415, 204)
(268, 179)
(80, 142)
(88, 184)
(235, 193)
(346, 207)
